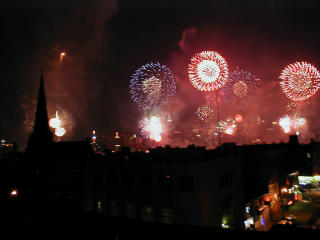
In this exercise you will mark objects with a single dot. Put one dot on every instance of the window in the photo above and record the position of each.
(131, 210)
(166, 215)
(147, 213)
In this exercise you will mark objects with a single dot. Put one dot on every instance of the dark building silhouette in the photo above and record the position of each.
(54, 170)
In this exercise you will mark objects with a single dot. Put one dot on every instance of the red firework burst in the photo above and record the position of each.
(300, 81)
(208, 71)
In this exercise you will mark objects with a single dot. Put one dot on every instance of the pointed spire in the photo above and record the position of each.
(41, 130)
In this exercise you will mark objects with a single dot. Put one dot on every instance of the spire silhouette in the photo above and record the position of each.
(41, 132)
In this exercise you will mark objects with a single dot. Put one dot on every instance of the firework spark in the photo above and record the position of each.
(208, 71)
(152, 85)
(300, 81)
(205, 113)
(238, 118)
(62, 55)
(289, 124)
(152, 128)
(241, 83)
(55, 123)
(227, 127)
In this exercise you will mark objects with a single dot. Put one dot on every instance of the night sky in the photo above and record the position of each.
(106, 41)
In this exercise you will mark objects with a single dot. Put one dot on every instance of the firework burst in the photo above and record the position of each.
(241, 83)
(227, 127)
(208, 71)
(55, 123)
(152, 85)
(152, 128)
(205, 113)
(300, 81)
(289, 124)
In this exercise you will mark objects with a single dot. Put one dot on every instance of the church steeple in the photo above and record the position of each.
(41, 132)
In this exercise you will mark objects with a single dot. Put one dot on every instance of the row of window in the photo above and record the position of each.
(145, 212)
(146, 181)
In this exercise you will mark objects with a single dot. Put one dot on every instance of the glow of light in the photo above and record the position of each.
(60, 132)
(238, 118)
(14, 192)
(94, 137)
(300, 121)
(153, 128)
(56, 124)
(300, 81)
(228, 127)
(285, 124)
(62, 54)
(229, 130)
(117, 135)
(208, 71)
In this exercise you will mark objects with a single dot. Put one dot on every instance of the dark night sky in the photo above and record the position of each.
(106, 41)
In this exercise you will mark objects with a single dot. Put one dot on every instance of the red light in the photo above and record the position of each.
(238, 118)
(290, 203)
(267, 198)
(167, 176)
(296, 197)
(287, 182)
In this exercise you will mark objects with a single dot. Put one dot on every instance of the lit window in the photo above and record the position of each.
(166, 215)
(147, 213)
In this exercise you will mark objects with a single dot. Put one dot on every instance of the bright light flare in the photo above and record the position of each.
(227, 127)
(60, 132)
(56, 124)
(14, 192)
(291, 123)
(285, 124)
(152, 128)
(62, 55)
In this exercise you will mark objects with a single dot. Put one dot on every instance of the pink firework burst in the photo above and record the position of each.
(300, 81)
(208, 71)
